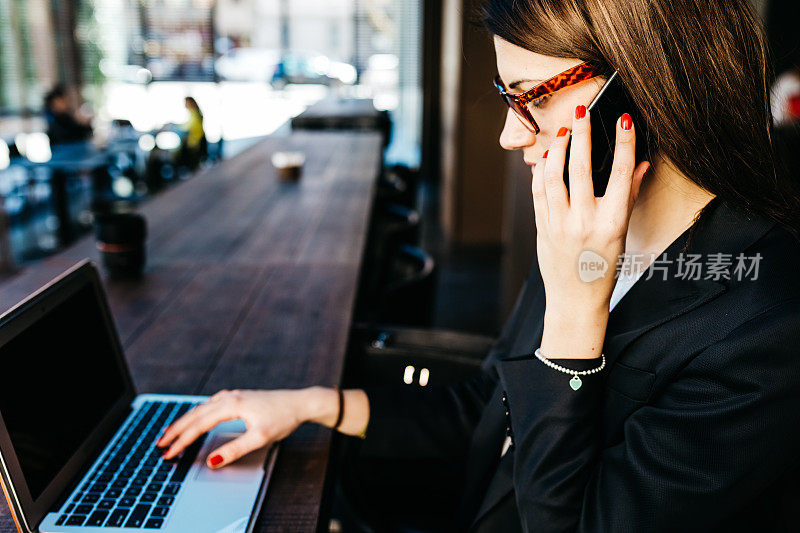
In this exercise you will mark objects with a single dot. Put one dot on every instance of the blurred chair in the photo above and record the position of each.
(391, 226)
(408, 287)
(398, 184)
(386, 354)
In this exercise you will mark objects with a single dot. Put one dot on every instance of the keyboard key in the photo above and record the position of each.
(113, 493)
(138, 481)
(106, 504)
(84, 509)
(61, 520)
(117, 518)
(160, 477)
(103, 478)
(133, 492)
(69, 508)
(97, 518)
(154, 523)
(98, 487)
(154, 487)
(120, 484)
(90, 498)
(138, 515)
(172, 489)
(165, 501)
(126, 502)
(160, 512)
(76, 520)
(149, 497)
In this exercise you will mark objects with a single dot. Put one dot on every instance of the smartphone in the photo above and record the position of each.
(610, 103)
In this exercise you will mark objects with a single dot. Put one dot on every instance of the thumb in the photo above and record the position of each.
(233, 450)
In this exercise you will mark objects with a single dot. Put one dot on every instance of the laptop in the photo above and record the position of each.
(77, 444)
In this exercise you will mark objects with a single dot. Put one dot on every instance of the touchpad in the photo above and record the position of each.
(247, 468)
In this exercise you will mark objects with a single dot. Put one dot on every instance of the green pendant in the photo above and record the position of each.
(575, 383)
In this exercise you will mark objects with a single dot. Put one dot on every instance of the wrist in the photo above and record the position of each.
(574, 334)
(321, 405)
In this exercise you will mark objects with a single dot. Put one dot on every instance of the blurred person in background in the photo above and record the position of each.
(786, 97)
(64, 125)
(194, 145)
(782, 21)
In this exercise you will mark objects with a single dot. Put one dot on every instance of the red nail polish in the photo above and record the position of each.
(580, 112)
(626, 122)
(215, 460)
(563, 131)
(545, 154)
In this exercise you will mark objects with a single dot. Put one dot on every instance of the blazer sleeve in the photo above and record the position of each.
(717, 436)
(432, 422)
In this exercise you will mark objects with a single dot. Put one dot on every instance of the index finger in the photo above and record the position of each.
(200, 425)
(177, 427)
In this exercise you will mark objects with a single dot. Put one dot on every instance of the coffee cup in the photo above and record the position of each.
(289, 165)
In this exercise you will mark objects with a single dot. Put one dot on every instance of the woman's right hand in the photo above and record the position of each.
(268, 415)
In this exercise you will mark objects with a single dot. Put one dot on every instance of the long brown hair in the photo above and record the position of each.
(698, 72)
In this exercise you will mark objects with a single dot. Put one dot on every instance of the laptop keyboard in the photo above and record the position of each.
(132, 486)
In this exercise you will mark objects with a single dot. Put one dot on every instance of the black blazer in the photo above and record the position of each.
(694, 425)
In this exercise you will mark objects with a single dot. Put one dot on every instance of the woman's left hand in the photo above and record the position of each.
(580, 236)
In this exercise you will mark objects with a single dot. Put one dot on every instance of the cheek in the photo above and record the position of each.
(556, 115)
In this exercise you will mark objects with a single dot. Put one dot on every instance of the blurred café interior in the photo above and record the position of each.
(313, 191)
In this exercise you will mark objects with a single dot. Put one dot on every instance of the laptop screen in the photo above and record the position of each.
(59, 379)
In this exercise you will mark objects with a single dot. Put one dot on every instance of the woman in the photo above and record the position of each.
(676, 410)
(193, 147)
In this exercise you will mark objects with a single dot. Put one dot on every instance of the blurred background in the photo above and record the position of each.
(94, 111)
(125, 67)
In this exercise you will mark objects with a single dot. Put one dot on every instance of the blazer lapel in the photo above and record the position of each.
(655, 298)
(664, 293)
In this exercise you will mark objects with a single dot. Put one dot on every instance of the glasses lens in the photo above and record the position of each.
(523, 113)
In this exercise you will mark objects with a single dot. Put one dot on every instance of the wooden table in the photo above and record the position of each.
(250, 283)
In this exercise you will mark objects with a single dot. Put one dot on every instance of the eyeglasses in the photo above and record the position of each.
(519, 102)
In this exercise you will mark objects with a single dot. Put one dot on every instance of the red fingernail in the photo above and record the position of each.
(580, 112)
(626, 122)
(545, 154)
(562, 132)
(215, 460)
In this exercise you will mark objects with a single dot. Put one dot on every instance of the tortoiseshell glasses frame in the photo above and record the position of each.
(519, 102)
